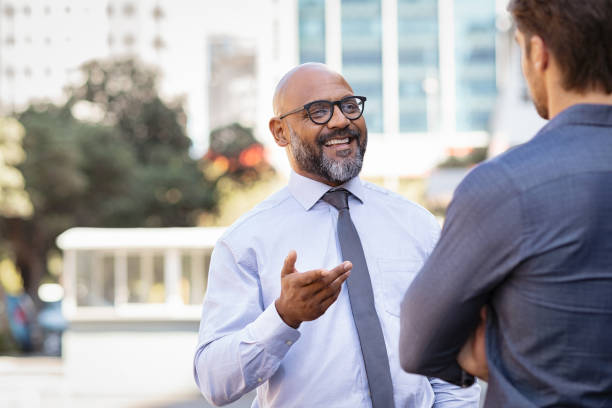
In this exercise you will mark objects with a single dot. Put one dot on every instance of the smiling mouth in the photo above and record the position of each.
(332, 142)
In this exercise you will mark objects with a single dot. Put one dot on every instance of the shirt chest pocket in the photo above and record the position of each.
(395, 278)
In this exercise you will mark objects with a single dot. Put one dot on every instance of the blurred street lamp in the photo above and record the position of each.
(50, 292)
(50, 318)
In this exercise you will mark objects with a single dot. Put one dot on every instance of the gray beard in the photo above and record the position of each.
(316, 162)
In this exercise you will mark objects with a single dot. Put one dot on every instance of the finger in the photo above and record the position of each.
(321, 284)
(483, 313)
(309, 277)
(325, 304)
(289, 265)
(333, 274)
(319, 278)
(333, 288)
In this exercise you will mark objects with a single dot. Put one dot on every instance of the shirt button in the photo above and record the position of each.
(288, 342)
(259, 379)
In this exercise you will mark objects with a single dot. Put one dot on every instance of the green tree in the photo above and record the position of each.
(126, 92)
(68, 184)
(14, 200)
(129, 168)
(167, 184)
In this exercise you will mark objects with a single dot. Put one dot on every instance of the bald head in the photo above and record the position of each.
(296, 85)
(329, 152)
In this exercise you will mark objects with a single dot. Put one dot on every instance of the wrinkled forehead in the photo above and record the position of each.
(309, 84)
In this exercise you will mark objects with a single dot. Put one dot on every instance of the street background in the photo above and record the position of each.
(132, 132)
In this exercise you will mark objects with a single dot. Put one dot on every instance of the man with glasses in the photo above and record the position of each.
(304, 290)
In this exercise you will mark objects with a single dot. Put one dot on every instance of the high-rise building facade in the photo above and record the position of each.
(475, 81)
(427, 67)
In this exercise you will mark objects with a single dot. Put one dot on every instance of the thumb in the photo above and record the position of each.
(289, 265)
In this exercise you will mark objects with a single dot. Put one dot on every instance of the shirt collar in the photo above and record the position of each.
(581, 114)
(308, 191)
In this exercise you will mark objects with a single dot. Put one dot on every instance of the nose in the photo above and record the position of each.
(338, 120)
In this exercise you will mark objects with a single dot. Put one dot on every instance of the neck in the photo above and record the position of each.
(560, 99)
(315, 177)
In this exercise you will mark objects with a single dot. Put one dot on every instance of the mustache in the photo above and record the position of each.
(338, 134)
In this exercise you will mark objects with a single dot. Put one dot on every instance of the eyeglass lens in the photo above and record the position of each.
(322, 111)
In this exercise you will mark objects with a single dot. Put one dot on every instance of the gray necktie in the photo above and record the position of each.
(362, 304)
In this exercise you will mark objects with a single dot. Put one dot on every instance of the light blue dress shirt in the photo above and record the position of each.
(243, 342)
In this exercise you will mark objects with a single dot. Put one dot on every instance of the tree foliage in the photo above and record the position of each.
(129, 168)
(235, 153)
(14, 200)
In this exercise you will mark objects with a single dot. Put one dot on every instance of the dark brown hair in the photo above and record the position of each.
(578, 33)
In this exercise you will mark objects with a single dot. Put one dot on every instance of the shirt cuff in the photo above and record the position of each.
(272, 333)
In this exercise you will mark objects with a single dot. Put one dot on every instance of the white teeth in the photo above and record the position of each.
(337, 141)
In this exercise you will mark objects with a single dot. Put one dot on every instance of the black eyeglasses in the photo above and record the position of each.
(321, 112)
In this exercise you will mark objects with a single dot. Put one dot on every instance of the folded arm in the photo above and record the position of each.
(478, 248)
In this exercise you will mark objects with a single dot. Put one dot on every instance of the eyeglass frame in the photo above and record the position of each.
(307, 106)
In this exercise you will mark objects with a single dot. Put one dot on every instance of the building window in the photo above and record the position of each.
(476, 89)
(194, 275)
(417, 64)
(9, 11)
(110, 10)
(129, 9)
(311, 30)
(158, 13)
(145, 278)
(362, 55)
(128, 40)
(95, 280)
(158, 43)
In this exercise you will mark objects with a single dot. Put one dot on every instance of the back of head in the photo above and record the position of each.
(577, 33)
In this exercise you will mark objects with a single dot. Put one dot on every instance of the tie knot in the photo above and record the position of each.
(338, 198)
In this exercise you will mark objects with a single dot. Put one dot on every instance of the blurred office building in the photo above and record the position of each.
(432, 70)
(232, 86)
(428, 68)
(207, 52)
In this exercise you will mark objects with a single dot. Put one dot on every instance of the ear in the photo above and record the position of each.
(539, 54)
(278, 131)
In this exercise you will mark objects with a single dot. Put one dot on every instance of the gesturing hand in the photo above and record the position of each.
(306, 296)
